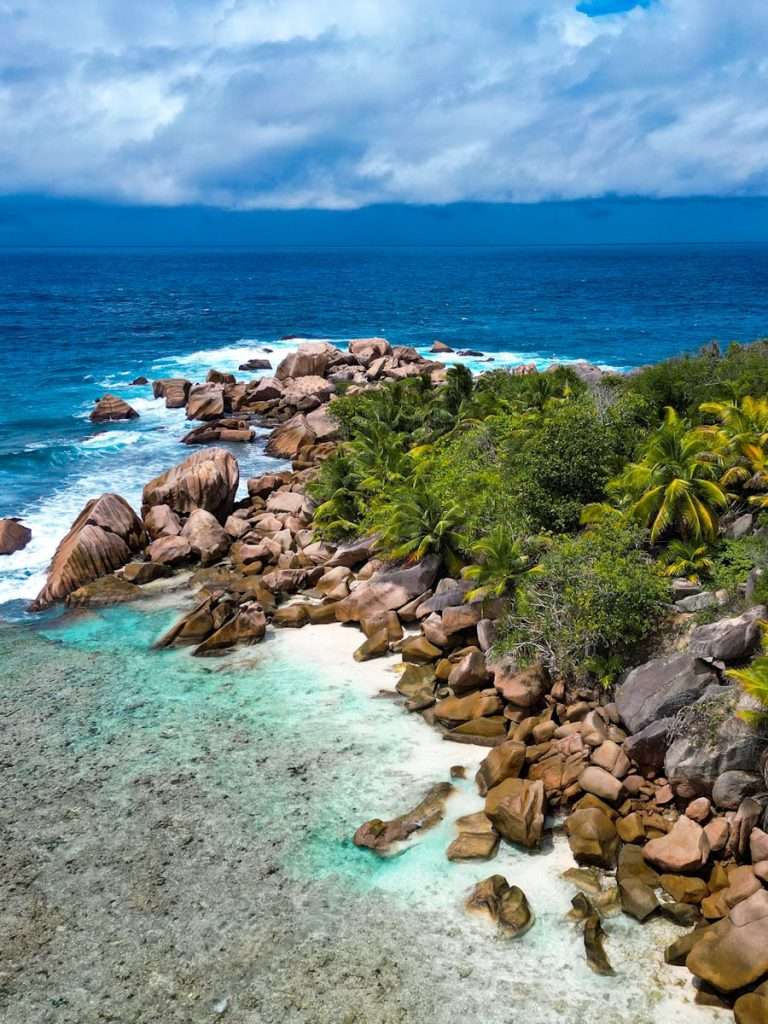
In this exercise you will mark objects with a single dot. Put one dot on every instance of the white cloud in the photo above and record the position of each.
(288, 103)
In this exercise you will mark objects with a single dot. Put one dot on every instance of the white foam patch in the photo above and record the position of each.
(112, 439)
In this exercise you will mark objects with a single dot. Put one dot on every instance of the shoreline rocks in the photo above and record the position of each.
(104, 537)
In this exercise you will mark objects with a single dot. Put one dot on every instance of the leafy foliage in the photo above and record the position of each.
(501, 560)
(593, 600)
(563, 465)
(673, 488)
(688, 559)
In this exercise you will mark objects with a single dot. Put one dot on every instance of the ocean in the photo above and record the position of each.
(76, 323)
(177, 831)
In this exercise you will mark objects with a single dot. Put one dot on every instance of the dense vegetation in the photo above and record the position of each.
(574, 503)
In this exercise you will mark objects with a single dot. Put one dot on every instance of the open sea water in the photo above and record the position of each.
(76, 323)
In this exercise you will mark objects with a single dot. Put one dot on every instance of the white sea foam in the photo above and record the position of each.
(112, 439)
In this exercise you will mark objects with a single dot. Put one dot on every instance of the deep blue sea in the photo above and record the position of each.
(75, 323)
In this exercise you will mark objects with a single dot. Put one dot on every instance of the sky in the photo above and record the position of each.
(341, 105)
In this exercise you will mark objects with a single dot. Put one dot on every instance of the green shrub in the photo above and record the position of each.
(593, 600)
(563, 465)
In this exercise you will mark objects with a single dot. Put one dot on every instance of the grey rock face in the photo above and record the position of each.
(710, 740)
(648, 747)
(660, 688)
(728, 639)
(732, 786)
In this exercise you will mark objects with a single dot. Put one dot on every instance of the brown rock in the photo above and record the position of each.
(684, 850)
(477, 839)
(593, 945)
(751, 1008)
(683, 889)
(174, 390)
(461, 617)
(465, 709)
(13, 536)
(206, 402)
(717, 831)
(291, 615)
(103, 592)
(103, 538)
(637, 899)
(207, 539)
(162, 521)
(381, 836)
(170, 550)
(110, 407)
(207, 479)
(592, 838)
(374, 646)
(506, 905)
(145, 572)
(516, 808)
(469, 673)
(503, 762)
(699, 810)
(525, 688)
(601, 783)
(734, 952)
(247, 626)
(630, 828)
(419, 650)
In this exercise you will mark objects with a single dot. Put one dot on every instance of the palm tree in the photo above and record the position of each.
(674, 487)
(687, 558)
(501, 560)
(414, 523)
(754, 680)
(742, 436)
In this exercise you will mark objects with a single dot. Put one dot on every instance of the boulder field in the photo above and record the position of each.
(660, 791)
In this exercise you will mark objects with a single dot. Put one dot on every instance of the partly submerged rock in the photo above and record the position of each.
(593, 946)
(477, 838)
(516, 808)
(110, 407)
(103, 538)
(105, 591)
(505, 904)
(13, 536)
(381, 836)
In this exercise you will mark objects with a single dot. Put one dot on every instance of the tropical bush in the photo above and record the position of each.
(594, 599)
(562, 466)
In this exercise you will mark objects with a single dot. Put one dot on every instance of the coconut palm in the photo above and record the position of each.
(687, 558)
(501, 559)
(674, 488)
(754, 681)
(742, 436)
(414, 523)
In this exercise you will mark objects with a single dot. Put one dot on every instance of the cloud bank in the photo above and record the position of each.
(336, 104)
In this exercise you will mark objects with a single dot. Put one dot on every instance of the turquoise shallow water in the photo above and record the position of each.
(187, 824)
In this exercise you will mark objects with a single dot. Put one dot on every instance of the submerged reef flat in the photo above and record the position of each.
(177, 848)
